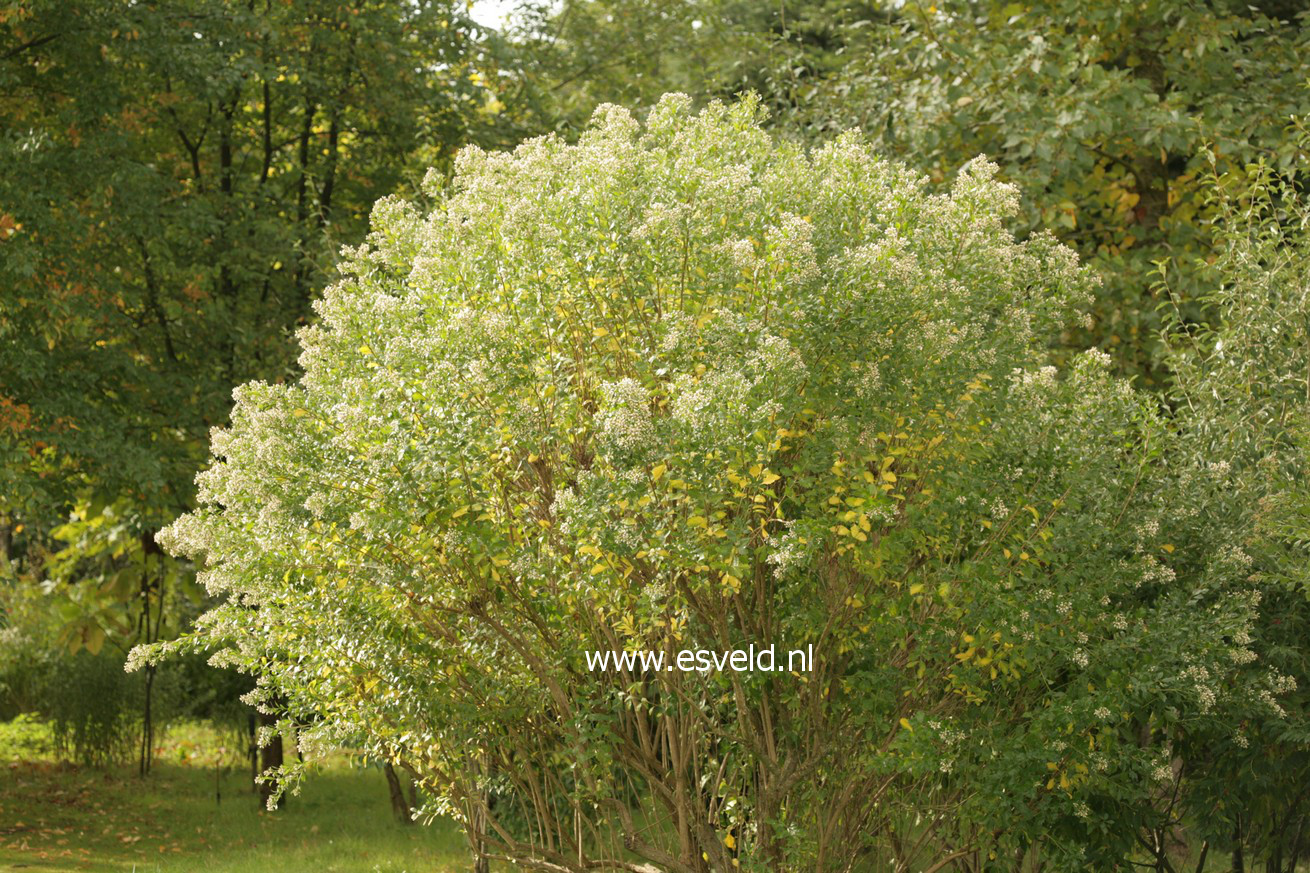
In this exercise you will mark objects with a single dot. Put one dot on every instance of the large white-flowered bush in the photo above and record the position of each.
(681, 386)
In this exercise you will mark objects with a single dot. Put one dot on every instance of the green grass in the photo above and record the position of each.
(60, 818)
(57, 817)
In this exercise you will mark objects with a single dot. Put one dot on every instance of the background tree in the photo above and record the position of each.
(177, 180)
(572, 56)
(1101, 109)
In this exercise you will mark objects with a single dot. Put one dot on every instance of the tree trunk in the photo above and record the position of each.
(477, 827)
(147, 724)
(399, 805)
(1239, 862)
(253, 751)
(270, 756)
(149, 633)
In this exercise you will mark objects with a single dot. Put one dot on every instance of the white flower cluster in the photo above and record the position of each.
(1199, 677)
(790, 242)
(789, 551)
(626, 419)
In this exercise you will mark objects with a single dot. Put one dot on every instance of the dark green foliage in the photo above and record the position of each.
(1099, 110)
(24, 664)
(177, 180)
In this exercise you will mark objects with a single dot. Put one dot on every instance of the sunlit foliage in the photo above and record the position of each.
(679, 386)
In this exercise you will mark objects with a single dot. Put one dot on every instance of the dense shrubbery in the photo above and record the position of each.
(94, 710)
(23, 667)
(683, 387)
(96, 713)
(1242, 389)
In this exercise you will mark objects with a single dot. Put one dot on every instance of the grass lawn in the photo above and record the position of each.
(56, 817)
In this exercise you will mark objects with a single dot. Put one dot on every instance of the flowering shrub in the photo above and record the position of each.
(1244, 383)
(679, 386)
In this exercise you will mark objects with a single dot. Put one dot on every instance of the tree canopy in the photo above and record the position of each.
(178, 178)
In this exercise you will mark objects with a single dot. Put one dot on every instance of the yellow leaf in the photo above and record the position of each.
(905, 723)
(770, 477)
(658, 471)
(1168, 548)
(599, 332)
(365, 350)
(730, 842)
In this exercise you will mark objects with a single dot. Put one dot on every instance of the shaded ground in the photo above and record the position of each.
(56, 817)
